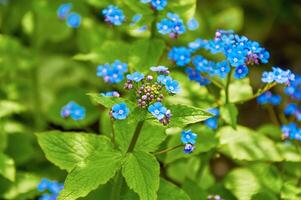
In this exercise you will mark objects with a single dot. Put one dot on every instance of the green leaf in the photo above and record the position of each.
(229, 113)
(242, 183)
(231, 18)
(7, 167)
(146, 53)
(169, 191)
(193, 190)
(183, 115)
(108, 102)
(10, 107)
(138, 7)
(240, 90)
(150, 137)
(245, 144)
(290, 191)
(141, 172)
(95, 170)
(23, 188)
(185, 8)
(73, 147)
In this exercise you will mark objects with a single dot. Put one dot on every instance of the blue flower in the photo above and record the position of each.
(136, 76)
(193, 24)
(122, 67)
(120, 111)
(213, 121)
(202, 65)
(294, 88)
(197, 77)
(291, 131)
(64, 10)
(162, 79)
(159, 4)
(136, 18)
(197, 44)
(188, 137)
(241, 72)
(113, 15)
(291, 109)
(278, 75)
(73, 20)
(189, 148)
(269, 98)
(52, 187)
(180, 55)
(160, 69)
(172, 25)
(165, 26)
(172, 86)
(73, 110)
(113, 73)
(222, 69)
(110, 94)
(158, 110)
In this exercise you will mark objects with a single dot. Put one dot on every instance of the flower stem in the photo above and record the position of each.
(113, 132)
(117, 187)
(169, 149)
(135, 136)
(228, 85)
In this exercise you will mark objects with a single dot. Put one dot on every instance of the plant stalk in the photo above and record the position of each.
(135, 136)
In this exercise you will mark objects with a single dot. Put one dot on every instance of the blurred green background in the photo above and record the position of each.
(44, 64)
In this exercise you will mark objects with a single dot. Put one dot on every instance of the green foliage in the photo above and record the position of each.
(7, 167)
(229, 113)
(141, 172)
(74, 147)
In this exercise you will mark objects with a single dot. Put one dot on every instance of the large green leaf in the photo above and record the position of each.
(169, 191)
(151, 134)
(229, 113)
(141, 172)
(183, 115)
(185, 8)
(7, 167)
(66, 149)
(88, 174)
(146, 53)
(245, 144)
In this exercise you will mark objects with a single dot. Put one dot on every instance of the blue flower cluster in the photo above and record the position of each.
(291, 131)
(73, 110)
(113, 15)
(294, 88)
(160, 112)
(202, 65)
(292, 109)
(189, 139)
(110, 94)
(53, 188)
(212, 122)
(72, 19)
(172, 25)
(269, 98)
(120, 111)
(113, 73)
(238, 50)
(196, 76)
(278, 75)
(172, 86)
(156, 4)
(180, 55)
